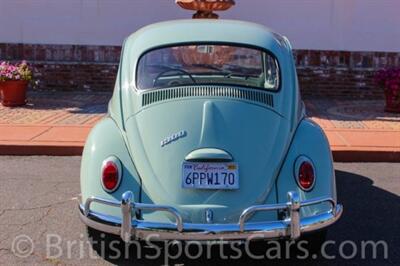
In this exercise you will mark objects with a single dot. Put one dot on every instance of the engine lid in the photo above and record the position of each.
(163, 136)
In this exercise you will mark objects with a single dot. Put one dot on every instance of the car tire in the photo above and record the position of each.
(307, 247)
(315, 241)
(108, 246)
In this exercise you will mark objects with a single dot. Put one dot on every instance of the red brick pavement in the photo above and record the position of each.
(56, 123)
(51, 123)
(358, 130)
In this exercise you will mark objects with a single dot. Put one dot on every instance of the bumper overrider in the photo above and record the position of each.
(128, 227)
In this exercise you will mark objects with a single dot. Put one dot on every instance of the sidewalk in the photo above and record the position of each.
(57, 123)
(358, 130)
(52, 123)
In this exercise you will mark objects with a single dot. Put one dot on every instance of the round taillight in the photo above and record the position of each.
(110, 176)
(305, 174)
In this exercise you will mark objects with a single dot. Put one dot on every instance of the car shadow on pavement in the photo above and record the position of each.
(370, 214)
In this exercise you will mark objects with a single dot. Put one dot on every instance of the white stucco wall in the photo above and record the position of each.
(352, 25)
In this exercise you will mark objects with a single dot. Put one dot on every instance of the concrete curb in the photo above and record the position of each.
(366, 156)
(47, 150)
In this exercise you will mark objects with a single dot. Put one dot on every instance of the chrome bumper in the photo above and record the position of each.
(128, 227)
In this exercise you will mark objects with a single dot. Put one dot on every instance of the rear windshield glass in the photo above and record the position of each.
(212, 64)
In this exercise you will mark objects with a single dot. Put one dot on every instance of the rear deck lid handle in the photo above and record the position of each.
(209, 155)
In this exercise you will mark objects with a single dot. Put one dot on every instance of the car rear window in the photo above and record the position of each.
(207, 64)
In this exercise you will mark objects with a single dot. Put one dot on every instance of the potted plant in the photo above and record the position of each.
(389, 80)
(14, 79)
(205, 8)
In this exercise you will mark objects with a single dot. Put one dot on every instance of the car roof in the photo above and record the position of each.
(203, 30)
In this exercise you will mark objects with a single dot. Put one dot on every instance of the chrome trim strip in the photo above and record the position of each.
(127, 227)
(100, 201)
(247, 212)
(150, 207)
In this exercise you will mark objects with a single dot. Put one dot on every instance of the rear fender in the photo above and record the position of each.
(106, 140)
(309, 141)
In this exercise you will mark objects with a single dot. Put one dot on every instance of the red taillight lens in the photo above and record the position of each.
(110, 176)
(306, 176)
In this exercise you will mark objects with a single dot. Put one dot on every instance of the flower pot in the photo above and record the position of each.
(392, 98)
(13, 92)
(206, 5)
(205, 8)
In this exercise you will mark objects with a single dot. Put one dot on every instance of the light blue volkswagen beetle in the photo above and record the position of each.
(206, 138)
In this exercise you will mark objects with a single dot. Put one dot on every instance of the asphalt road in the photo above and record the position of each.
(38, 203)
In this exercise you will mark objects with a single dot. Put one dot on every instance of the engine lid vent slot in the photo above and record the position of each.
(253, 95)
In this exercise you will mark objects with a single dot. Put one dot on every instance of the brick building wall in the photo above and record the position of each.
(67, 67)
(342, 74)
(88, 67)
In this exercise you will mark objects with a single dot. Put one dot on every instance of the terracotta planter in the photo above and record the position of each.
(392, 101)
(13, 92)
(205, 8)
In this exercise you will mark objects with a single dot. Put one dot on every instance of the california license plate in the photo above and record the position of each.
(210, 175)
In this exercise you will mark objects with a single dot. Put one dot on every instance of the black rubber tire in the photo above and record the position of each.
(315, 241)
(303, 248)
(106, 245)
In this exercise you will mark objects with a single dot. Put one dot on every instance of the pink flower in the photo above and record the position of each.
(19, 71)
